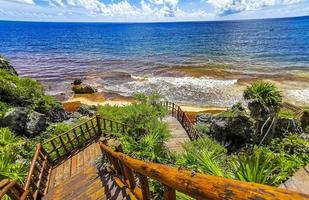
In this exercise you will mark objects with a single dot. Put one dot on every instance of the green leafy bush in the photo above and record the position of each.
(3, 109)
(11, 164)
(18, 91)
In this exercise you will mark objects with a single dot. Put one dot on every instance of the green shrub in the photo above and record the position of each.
(202, 128)
(284, 113)
(18, 91)
(203, 155)
(292, 144)
(257, 166)
(3, 109)
(45, 104)
(11, 164)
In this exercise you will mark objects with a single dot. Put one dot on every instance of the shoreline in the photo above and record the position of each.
(74, 103)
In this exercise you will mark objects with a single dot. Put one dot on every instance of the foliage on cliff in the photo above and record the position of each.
(21, 92)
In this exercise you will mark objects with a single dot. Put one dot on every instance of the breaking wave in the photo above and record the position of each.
(183, 89)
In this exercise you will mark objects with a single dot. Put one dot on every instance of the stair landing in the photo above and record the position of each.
(77, 178)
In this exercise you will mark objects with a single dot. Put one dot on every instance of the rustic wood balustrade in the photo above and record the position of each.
(12, 189)
(183, 119)
(195, 185)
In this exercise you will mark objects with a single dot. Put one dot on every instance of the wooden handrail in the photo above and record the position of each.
(196, 185)
(73, 139)
(37, 179)
(12, 189)
(183, 119)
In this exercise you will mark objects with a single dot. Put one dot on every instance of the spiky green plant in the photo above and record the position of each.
(256, 166)
(10, 164)
(203, 155)
(265, 95)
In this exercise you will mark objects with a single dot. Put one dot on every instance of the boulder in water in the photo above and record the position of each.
(84, 89)
(77, 82)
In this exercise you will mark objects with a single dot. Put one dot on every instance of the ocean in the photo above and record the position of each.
(206, 63)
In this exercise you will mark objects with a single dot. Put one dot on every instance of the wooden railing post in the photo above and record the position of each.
(99, 124)
(144, 186)
(169, 193)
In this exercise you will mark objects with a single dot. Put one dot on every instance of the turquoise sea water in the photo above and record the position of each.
(116, 56)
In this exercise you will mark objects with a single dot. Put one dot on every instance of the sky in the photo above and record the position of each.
(149, 10)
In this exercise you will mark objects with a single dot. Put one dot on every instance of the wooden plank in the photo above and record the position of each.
(66, 169)
(74, 165)
(80, 161)
(299, 182)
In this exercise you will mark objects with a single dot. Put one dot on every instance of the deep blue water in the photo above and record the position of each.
(63, 51)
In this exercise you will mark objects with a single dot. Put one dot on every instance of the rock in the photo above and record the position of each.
(57, 115)
(286, 125)
(304, 119)
(5, 64)
(203, 118)
(234, 128)
(16, 119)
(24, 122)
(77, 82)
(36, 124)
(87, 110)
(84, 89)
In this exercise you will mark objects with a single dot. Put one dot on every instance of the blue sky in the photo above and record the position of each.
(149, 10)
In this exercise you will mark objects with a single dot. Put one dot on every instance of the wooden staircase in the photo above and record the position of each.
(64, 168)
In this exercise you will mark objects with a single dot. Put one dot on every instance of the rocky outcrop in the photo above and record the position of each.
(24, 122)
(286, 125)
(87, 110)
(57, 115)
(84, 89)
(304, 119)
(203, 118)
(233, 128)
(4, 64)
(36, 124)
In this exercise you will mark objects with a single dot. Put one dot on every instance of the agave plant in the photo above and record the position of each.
(264, 104)
(203, 155)
(256, 166)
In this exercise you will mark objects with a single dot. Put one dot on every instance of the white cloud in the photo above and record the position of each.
(23, 1)
(226, 7)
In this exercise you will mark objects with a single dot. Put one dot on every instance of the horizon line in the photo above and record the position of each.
(153, 22)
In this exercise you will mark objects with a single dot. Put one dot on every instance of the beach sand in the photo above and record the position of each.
(73, 104)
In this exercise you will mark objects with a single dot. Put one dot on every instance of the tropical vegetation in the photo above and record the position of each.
(257, 154)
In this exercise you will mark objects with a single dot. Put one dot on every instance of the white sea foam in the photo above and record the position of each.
(300, 95)
(186, 89)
